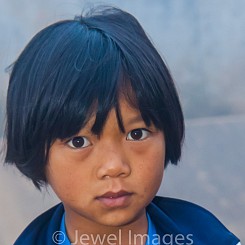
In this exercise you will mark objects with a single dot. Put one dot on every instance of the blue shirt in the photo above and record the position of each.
(170, 216)
(64, 240)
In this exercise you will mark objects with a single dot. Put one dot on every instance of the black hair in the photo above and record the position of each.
(74, 68)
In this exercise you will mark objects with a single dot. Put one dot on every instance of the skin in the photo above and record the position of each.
(112, 162)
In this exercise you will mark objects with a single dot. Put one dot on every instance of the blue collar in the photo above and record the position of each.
(151, 231)
(63, 232)
(65, 240)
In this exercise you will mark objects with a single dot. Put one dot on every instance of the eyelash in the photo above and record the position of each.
(144, 133)
(85, 140)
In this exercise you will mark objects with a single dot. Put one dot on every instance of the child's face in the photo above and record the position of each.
(111, 179)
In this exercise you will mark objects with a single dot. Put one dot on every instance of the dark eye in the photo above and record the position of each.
(138, 134)
(78, 142)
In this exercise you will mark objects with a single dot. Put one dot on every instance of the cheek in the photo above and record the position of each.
(64, 178)
(151, 168)
(155, 158)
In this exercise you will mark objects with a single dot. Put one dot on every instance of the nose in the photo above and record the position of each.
(113, 163)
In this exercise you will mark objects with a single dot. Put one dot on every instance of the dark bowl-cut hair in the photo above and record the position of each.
(75, 68)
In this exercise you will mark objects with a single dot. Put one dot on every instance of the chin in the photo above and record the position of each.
(118, 219)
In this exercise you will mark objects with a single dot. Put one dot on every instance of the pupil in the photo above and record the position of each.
(78, 142)
(136, 134)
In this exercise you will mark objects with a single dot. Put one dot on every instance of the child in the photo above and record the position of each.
(92, 111)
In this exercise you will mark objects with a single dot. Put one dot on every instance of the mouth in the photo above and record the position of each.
(115, 199)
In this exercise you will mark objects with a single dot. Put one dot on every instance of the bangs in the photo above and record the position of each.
(89, 85)
(94, 80)
(94, 94)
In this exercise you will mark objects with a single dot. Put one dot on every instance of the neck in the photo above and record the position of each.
(85, 231)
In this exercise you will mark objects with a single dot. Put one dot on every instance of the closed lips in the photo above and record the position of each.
(115, 194)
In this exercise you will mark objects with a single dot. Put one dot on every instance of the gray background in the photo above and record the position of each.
(203, 44)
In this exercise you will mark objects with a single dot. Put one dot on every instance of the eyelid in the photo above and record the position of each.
(145, 130)
(69, 142)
